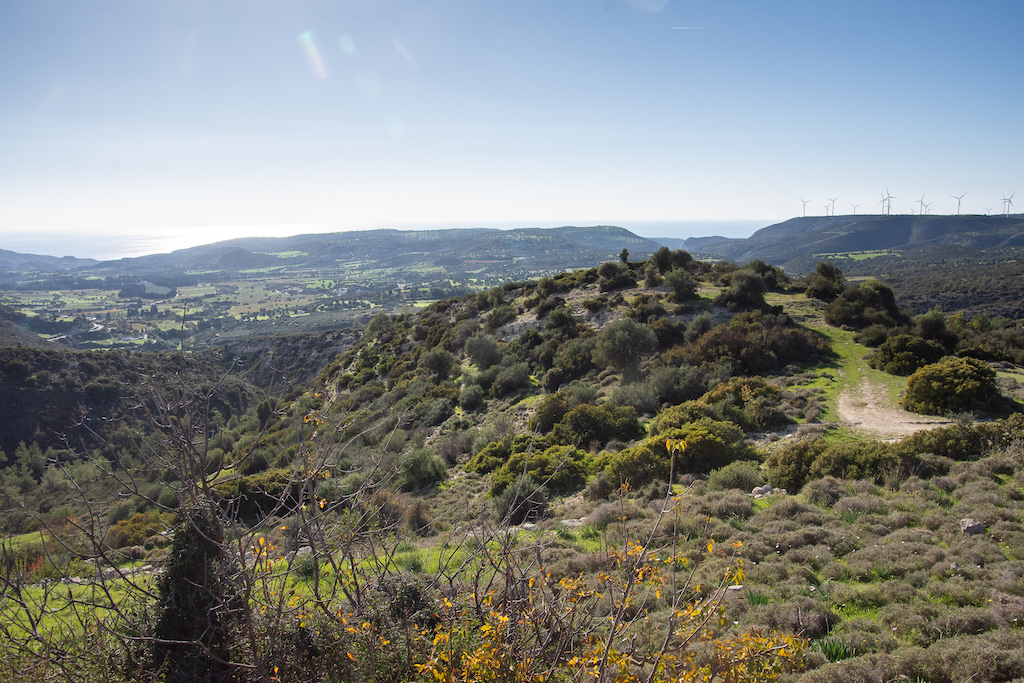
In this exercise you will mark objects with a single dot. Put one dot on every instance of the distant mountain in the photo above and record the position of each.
(529, 249)
(13, 261)
(798, 243)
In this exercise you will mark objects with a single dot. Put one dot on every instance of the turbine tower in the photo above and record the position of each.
(854, 208)
(958, 202)
(805, 206)
(888, 201)
(921, 202)
(1007, 204)
(833, 200)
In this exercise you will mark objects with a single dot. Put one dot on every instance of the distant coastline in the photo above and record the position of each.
(159, 241)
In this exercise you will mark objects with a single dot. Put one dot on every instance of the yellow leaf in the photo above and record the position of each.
(351, 656)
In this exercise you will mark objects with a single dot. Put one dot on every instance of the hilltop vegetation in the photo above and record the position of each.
(548, 479)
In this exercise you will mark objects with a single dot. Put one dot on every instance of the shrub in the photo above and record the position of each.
(472, 397)
(622, 344)
(588, 424)
(438, 361)
(421, 469)
(825, 491)
(825, 283)
(559, 468)
(869, 303)
(744, 475)
(491, 456)
(483, 350)
(524, 500)
(511, 379)
(683, 285)
(501, 315)
(950, 386)
(746, 290)
(640, 396)
(903, 354)
(710, 444)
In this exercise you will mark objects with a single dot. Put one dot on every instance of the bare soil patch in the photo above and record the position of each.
(864, 408)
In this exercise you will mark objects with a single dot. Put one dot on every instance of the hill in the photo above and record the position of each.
(13, 261)
(505, 253)
(561, 478)
(797, 244)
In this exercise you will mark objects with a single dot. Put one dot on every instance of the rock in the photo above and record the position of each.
(757, 491)
(529, 526)
(573, 523)
(768, 489)
(971, 526)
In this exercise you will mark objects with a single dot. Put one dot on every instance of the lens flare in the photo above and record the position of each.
(316, 65)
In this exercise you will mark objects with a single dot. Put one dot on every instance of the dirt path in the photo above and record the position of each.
(864, 407)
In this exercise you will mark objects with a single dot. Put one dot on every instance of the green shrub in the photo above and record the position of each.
(438, 361)
(523, 500)
(472, 397)
(744, 475)
(491, 456)
(746, 290)
(420, 469)
(511, 379)
(622, 344)
(904, 353)
(951, 386)
(559, 468)
(869, 303)
(683, 285)
(587, 424)
(501, 315)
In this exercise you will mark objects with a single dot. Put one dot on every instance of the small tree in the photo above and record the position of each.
(438, 361)
(682, 283)
(622, 344)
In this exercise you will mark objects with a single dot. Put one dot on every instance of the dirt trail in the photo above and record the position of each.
(864, 408)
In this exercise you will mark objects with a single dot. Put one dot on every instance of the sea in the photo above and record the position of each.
(112, 246)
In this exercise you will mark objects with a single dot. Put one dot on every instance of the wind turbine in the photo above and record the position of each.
(1007, 204)
(825, 206)
(888, 201)
(958, 202)
(854, 208)
(926, 209)
(833, 204)
(921, 202)
(805, 206)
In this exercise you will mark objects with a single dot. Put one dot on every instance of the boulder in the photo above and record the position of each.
(971, 526)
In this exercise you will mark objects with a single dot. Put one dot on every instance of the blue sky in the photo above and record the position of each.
(227, 117)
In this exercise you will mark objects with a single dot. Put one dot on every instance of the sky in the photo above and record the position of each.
(210, 119)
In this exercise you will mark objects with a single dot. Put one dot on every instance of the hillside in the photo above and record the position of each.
(509, 253)
(797, 244)
(13, 261)
(561, 478)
